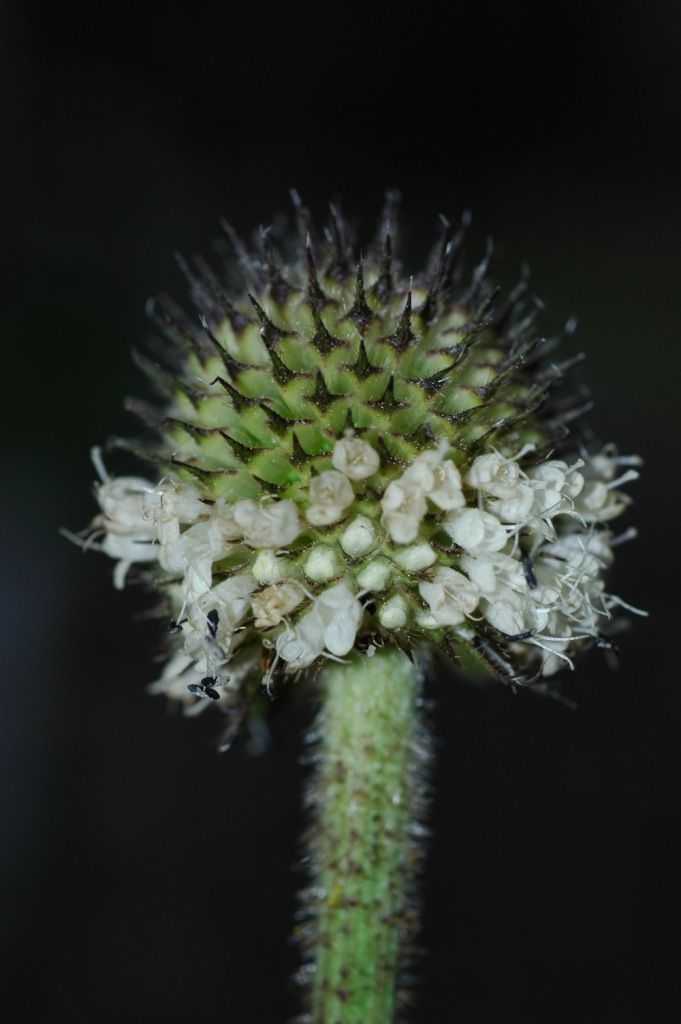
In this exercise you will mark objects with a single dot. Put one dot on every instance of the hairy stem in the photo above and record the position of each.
(366, 840)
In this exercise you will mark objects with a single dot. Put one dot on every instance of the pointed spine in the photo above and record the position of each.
(361, 367)
(239, 401)
(280, 289)
(315, 295)
(403, 336)
(321, 396)
(383, 287)
(360, 313)
(269, 332)
(322, 339)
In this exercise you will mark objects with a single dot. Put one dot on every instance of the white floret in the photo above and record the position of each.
(476, 531)
(355, 459)
(403, 509)
(494, 475)
(393, 613)
(270, 524)
(322, 564)
(450, 596)
(268, 568)
(375, 575)
(330, 494)
(329, 627)
(274, 602)
(358, 537)
(416, 557)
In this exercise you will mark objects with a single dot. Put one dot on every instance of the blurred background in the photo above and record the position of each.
(142, 876)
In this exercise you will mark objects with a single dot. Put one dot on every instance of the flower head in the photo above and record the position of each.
(350, 454)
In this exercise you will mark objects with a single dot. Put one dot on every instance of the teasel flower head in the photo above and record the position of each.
(349, 456)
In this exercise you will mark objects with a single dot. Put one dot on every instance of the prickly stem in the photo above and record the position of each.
(365, 846)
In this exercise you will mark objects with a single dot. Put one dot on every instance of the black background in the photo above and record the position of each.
(143, 876)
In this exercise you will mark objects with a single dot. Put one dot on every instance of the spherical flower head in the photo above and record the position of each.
(354, 455)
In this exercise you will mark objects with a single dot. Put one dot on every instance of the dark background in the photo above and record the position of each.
(144, 877)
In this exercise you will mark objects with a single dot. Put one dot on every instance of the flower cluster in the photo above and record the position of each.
(521, 550)
(352, 457)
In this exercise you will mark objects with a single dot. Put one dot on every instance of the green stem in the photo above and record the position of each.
(365, 850)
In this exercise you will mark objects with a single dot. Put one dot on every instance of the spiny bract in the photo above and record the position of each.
(351, 458)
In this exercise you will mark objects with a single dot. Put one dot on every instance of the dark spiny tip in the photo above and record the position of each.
(280, 289)
(337, 236)
(174, 324)
(431, 385)
(298, 454)
(277, 424)
(360, 313)
(403, 336)
(361, 367)
(315, 295)
(387, 402)
(387, 458)
(233, 366)
(322, 340)
(269, 332)
(239, 401)
(321, 396)
(280, 370)
(242, 453)
(218, 296)
(244, 261)
(384, 283)
(439, 274)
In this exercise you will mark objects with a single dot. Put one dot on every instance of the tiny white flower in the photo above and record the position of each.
(605, 465)
(192, 555)
(322, 564)
(231, 599)
(446, 491)
(355, 459)
(509, 613)
(587, 554)
(178, 674)
(437, 478)
(267, 524)
(515, 508)
(375, 575)
(338, 613)
(393, 613)
(450, 596)
(555, 486)
(599, 502)
(476, 531)
(403, 509)
(330, 494)
(330, 626)
(416, 557)
(494, 475)
(223, 514)
(267, 568)
(294, 650)
(491, 571)
(358, 537)
(212, 618)
(481, 571)
(122, 503)
(170, 500)
(272, 604)
(127, 550)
